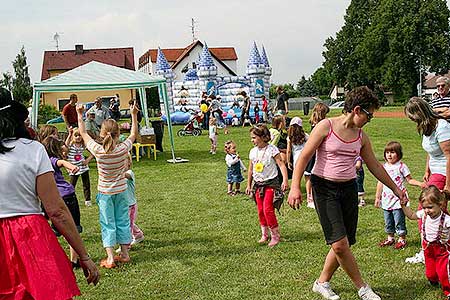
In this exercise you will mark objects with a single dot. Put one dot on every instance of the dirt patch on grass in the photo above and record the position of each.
(389, 114)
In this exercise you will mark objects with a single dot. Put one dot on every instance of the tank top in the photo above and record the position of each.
(335, 158)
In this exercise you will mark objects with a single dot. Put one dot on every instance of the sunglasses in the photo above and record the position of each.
(440, 85)
(369, 114)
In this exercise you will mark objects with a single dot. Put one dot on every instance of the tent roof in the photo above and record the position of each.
(97, 76)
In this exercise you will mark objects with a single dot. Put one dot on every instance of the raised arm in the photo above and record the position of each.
(69, 137)
(81, 127)
(60, 216)
(134, 122)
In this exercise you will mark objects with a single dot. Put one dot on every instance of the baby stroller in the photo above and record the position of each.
(192, 127)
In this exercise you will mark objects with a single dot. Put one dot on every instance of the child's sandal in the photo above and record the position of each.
(104, 264)
(230, 193)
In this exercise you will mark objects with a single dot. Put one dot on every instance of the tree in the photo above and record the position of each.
(306, 87)
(384, 43)
(6, 82)
(322, 81)
(21, 83)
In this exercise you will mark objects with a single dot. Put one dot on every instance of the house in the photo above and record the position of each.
(183, 59)
(337, 92)
(57, 62)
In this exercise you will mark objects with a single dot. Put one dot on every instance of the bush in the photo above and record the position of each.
(47, 112)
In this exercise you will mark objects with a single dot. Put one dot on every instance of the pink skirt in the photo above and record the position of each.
(32, 263)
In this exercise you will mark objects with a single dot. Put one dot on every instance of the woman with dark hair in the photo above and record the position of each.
(435, 131)
(337, 142)
(33, 264)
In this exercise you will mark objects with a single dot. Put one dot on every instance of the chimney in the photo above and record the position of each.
(78, 49)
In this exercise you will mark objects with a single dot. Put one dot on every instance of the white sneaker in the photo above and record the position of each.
(138, 240)
(325, 290)
(366, 293)
(88, 203)
(417, 258)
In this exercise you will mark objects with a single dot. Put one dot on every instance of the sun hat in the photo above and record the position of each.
(296, 120)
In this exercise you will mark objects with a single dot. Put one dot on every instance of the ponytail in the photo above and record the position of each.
(109, 143)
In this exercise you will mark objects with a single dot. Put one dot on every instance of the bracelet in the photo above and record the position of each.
(86, 258)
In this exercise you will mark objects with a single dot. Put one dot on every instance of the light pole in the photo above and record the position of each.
(420, 77)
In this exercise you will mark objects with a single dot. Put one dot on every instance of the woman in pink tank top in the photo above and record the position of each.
(337, 142)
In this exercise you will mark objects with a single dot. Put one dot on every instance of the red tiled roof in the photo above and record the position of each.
(68, 60)
(177, 54)
(430, 82)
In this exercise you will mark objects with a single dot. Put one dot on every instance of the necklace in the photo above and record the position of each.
(259, 166)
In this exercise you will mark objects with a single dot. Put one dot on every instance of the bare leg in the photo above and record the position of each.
(238, 187)
(110, 253)
(341, 255)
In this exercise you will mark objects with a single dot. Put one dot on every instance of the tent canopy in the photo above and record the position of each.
(98, 76)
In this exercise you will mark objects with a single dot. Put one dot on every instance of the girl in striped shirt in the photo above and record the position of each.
(112, 200)
(75, 156)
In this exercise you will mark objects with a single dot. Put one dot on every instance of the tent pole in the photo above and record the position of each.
(143, 98)
(35, 109)
(163, 89)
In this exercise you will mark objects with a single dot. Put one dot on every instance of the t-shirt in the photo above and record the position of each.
(19, 169)
(92, 126)
(76, 157)
(269, 165)
(131, 188)
(398, 173)
(70, 113)
(111, 166)
(64, 188)
(432, 227)
(283, 97)
(101, 114)
(441, 102)
(430, 144)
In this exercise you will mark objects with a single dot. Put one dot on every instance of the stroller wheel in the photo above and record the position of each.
(196, 132)
(181, 132)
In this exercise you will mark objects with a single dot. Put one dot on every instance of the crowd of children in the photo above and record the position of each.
(331, 159)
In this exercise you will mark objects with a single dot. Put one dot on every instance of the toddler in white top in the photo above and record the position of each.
(394, 217)
(213, 135)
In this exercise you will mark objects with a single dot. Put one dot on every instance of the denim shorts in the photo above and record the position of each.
(394, 221)
(337, 207)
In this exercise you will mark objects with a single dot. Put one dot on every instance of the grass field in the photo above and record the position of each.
(202, 244)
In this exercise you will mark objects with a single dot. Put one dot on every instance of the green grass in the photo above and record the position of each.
(201, 244)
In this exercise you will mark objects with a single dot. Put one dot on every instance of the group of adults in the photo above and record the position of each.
(94, 116)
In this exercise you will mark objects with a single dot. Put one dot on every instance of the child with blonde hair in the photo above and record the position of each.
(435, 231)
(75, 156)
(278, 135)
(394, 218)
(112, 199)
(213, 134)
(235, 165)
(319, 112)
(266, 190)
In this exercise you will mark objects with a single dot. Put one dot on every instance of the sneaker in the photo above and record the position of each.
(137, 240)
(88, 203)
(416, 259)
(386, 243)
(213, 153)
(362, 203)
(366, 293)
(325, 290)
(310, 204)
(401, 244)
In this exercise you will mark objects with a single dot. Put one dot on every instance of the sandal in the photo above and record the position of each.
(104, 264)
(230, 193)
(237, 192)
(121, 259)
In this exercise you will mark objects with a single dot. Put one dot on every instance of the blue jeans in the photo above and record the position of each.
(394, 222)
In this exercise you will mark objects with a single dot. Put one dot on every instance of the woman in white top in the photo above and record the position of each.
(33, 264)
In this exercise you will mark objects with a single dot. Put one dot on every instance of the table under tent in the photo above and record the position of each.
(95, 76)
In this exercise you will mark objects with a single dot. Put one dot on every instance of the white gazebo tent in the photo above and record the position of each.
(98, 76)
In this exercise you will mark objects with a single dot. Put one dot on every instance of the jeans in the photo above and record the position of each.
(394, 221)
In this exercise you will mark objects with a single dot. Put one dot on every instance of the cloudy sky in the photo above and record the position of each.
(293, 31)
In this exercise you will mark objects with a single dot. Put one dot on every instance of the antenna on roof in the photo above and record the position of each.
(193, 30)
(56, 38)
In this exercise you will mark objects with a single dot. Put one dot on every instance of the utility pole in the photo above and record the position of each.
(194, 38)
